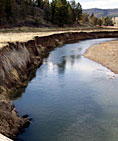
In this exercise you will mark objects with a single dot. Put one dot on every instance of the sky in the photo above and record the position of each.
(104, 4)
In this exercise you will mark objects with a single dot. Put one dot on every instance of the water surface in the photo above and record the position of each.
(71, 98)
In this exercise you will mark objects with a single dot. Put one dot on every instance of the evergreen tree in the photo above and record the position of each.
(76, 10)
(53, 10)
(103, 21)
(93, 19)
(47, 10)
(73, 6)
(84, 18)
(8, 9)
(14, 11)
(99, 22)
(2, 11)
(108, 21)
(61, 13)
(23, 8)
(70, 14)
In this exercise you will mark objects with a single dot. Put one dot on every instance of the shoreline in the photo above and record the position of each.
(18, 60)
(105, 54)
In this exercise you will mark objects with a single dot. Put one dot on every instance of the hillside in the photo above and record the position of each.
(20, 14)
(39, 13)
(102, 12)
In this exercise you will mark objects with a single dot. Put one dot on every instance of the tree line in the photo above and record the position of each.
(57, 12)
(91, 19)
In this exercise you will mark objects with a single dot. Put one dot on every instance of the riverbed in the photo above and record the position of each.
(71, 98)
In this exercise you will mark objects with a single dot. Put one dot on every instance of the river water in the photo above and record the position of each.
(71, 98)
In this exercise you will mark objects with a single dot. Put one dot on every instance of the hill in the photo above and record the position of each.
(39, 13)
(102, 12)
(14, 13)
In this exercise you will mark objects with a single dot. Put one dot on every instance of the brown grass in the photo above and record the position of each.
(24, 34)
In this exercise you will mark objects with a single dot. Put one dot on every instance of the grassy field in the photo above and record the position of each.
(32, 29)
(24, 34)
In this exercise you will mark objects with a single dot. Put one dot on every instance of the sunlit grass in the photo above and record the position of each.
(23, 34)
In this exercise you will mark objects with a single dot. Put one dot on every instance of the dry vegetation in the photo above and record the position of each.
(21, 37)
(26, 33)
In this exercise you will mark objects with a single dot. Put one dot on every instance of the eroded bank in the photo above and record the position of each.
(17, 61)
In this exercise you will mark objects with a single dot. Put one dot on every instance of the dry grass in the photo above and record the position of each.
(21, 37)
(27, 33)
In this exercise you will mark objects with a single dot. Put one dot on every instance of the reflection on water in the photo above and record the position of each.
(71, 98)
(66, 61)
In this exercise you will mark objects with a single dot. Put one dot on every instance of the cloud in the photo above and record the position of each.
(104, 4)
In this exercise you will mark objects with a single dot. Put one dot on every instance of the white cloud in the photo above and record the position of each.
(104, 4)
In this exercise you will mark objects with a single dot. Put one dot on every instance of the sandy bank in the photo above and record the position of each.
(105, 54)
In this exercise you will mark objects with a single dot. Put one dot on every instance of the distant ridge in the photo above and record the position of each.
(102, 12)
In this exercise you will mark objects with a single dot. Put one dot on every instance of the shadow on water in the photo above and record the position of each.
(63, 99)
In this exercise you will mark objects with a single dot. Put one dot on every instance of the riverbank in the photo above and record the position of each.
(3, 138)
(24, 34)
(17, 62)
(105, 54)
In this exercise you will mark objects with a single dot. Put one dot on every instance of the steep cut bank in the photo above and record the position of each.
(105, 54)
(17, 61)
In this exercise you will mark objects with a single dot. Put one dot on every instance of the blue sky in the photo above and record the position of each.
(104, 4)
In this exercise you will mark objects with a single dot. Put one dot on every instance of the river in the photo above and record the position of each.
(71, 98)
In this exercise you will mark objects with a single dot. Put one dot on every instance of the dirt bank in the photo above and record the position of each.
(18, 60)
(105, 54)
(25, 34)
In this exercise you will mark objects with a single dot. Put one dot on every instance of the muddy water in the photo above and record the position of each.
(71, 98)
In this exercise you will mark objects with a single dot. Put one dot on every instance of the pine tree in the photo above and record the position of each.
(23, 8)
(85, 18)
(70, 14)
(61, 13)
(108, 21)
(93, 19)
(78, 11)
(8, 9)
(53, 10)
(47, 10)
(14, 10)
(103, 21)
(99, 22)
(2, 12)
